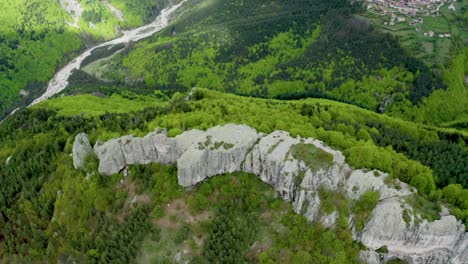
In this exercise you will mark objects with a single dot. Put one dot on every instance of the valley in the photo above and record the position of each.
(233, 131)
(60, 80)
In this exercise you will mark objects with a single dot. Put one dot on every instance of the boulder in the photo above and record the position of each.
(81, 149)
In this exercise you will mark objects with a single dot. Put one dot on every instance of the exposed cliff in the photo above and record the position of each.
(297, 168)
(81, 150)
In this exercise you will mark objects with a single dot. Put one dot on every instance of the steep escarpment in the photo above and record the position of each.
(298, 169)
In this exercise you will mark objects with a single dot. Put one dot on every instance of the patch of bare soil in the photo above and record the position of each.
(177, 211)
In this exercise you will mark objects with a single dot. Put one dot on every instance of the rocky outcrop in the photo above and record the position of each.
(297, 168)
(272, 160)
(81, 150)
(220, 150)
(116, 154)
(441, 241)
(415, 240)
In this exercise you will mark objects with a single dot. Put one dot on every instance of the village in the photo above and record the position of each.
(411, 12)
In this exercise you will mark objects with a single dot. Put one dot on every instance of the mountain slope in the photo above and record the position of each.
(36, 37)
(38, 141)
(370, 186)
(306, 173)
(316, 48)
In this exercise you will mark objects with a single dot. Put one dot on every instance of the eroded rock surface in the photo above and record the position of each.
(114, 155)
(81, 150)
(441, 241)
(272, 160)
(220, 150)
(297, 168)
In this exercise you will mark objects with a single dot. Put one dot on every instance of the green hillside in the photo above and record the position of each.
(39, 141)
(35, 40)
(316, 49)
(314, 68)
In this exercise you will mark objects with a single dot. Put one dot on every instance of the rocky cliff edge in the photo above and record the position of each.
(296, 168)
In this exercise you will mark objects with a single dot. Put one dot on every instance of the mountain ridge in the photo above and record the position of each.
(199, 156)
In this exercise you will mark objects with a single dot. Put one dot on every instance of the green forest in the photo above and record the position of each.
(35, 40)
(316, 69)
(58, 213)
(316, 49)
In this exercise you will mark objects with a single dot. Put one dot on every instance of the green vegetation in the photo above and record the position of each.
(406, 216)
(332, 122)
(397, 261)
(314, 158)
(434, 50)
(331, 201)
(382, 250)
(100, 21)
(448, 157)
(457, 196)
(95, 106)
(424, 208)
(33, 42)
(315, 50)
(36, 39)
(50, 212)
(446, 108)
(138, 12)
(38, 183)
(363, 208)
(145, 218)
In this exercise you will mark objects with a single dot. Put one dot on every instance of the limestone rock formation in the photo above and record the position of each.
(440, 241)
(272, 160)
(416, 240)
(81, 150)
(114, 155)
(220, 150)
(297, 168)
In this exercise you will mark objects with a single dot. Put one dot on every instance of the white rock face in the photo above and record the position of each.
(272, 161)
(359, 182)
(81, 150)
(441, 241)
(437, 242)
(116, 154)
(221, 149)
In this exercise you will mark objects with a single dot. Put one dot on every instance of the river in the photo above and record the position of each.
(60, 80)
